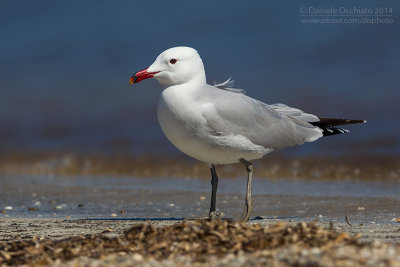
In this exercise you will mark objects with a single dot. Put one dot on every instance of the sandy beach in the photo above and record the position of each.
(58, 203)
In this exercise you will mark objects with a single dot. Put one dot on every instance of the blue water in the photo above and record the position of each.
(65, 67)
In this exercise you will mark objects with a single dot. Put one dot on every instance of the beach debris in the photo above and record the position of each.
(122, 211)
(3, 211)
(198, 240)
(113, 215)
(347, 221)
(202, 198)
(33, 209)
(8, 207)
(58, 207)
(361, 208)
(80, 205)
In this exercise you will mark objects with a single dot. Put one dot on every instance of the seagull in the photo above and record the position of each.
(218, 124)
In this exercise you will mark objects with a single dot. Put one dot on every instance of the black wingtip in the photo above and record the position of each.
(328, 122)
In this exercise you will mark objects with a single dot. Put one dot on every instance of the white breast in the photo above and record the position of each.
(181, 120)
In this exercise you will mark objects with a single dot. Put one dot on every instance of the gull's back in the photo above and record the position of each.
(232, 113)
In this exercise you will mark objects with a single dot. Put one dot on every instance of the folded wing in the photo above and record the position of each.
(263, 125)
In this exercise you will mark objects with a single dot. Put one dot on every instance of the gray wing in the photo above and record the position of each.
(273, 127)
(294, 112)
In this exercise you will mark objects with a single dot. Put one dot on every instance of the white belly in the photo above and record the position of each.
(190, 143)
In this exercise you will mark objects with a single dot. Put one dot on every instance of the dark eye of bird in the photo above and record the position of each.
(173, 61)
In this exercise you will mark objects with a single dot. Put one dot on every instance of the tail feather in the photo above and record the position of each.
(327, 125)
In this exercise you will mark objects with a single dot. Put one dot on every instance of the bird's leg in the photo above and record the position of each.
(214, 183)
(244, 217)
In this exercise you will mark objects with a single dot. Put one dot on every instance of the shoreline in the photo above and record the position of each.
(274, 166)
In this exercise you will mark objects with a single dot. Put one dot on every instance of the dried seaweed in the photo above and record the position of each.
(198, 239)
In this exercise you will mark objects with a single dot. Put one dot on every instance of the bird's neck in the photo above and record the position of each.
(199, 80)
(195, 83)
(189, 89)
